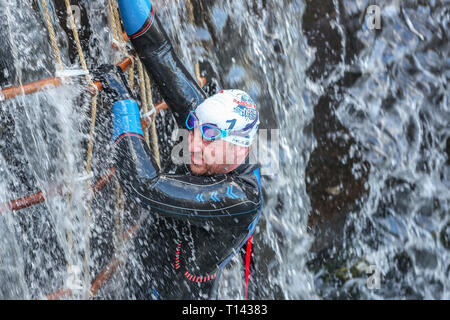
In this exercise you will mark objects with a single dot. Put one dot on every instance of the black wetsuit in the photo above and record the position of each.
(195, 223)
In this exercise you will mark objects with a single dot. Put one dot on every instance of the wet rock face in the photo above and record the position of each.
(84, 29)
(331, 181)
(447, 150)
(445, 236)
(326, 38)
(336, 174)
(7, 71)
(5, 68)
(336, 178)
(321, 36)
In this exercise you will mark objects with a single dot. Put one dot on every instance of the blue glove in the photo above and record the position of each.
(126, 117)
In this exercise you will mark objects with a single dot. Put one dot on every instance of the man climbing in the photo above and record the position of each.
(199, 218)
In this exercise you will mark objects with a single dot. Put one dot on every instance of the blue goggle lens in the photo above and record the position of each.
(190, 121)
(209, 132)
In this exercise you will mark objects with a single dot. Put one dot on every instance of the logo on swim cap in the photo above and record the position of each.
(246, 107)
(234, 111)
(249, 114)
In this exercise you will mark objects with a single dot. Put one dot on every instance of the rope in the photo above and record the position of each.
(144, 80)
(91, 83)
(52, 35)
(119, 206)
(59, 67)
(143, 97)
(119, 36)
(118, 240)
(197, 71)
(75, 35)
(112, 20)
(119, 203)
(91, 131)
(190, 10)
(116, 18)
(146, 96)
(131, 76)
(153, 125)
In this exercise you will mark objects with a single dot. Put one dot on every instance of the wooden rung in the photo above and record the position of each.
(33, 87)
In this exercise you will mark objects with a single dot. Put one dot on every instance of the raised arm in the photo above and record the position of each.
(226, 206)
(225, 201)
(216, 201)
(177, 86)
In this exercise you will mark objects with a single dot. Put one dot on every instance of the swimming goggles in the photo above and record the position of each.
(211, 131)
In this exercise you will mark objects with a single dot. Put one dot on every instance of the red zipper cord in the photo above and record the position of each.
(247, 264)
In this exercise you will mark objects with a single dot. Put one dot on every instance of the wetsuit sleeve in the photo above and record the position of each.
(178, 88)
(226, 207)
(225, 201)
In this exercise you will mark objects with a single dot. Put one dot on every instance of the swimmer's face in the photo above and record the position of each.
(214, 157)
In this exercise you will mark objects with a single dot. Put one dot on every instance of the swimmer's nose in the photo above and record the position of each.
(195, 141)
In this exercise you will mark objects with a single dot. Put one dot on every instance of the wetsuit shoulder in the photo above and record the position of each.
(228, 200)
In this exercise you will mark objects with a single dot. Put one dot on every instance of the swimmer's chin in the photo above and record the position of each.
(199, 170)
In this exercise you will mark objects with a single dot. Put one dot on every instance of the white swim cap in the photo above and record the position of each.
(234, 111)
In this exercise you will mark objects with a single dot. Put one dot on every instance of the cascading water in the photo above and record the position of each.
(43, 147)
(358, 145)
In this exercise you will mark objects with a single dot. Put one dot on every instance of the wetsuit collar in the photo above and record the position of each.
(244, 167)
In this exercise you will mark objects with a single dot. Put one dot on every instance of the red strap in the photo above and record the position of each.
(247, 265)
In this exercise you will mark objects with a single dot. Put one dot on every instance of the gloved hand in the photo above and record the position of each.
(114, 83)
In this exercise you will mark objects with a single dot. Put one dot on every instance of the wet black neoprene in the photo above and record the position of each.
(196, 223)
